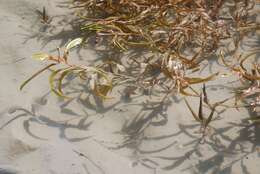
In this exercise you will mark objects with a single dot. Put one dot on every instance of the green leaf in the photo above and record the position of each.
(209, 118)
(73, 44)
(40, 56)
(118, 44)
(52, 80)
(58, 90)
(93, 27)
(192, 112)
(194, 80)
(183, 92)
(60, 79)
(36, 74)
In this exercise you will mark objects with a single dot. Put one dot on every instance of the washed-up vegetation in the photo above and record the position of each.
(249, 75)
(161, 45)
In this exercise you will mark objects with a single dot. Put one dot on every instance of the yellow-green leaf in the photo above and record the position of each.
(52, 80)
(192, 112)
(102, 91)
(40, 56)
(194, 80)
(73, 43)
(60, 80)
(36, 74)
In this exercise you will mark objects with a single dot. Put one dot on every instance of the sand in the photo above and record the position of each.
(51, 136)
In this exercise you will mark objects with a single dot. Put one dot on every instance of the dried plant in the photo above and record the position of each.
(45, 19)
(249, 75)
(101, 79)
(174, 36)
(167, 26)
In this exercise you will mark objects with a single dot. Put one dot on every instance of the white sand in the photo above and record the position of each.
(75, 139)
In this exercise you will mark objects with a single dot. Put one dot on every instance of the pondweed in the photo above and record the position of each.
(174, 36)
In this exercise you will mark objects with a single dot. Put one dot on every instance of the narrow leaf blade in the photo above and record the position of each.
(35, 75)
(192, 112)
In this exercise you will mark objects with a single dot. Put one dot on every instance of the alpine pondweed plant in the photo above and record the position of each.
(177, 34)
(98, 80)
(200, 117)
(101, 79)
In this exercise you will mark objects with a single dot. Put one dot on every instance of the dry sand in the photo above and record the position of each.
(49, 136)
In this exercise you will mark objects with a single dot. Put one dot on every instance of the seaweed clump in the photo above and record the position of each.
(166, 26)
(165, 42)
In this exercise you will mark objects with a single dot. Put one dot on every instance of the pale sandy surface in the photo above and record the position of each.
(49, 136)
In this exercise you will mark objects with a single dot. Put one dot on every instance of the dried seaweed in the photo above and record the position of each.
(249, 75)
(166, 26)
(174, 36)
